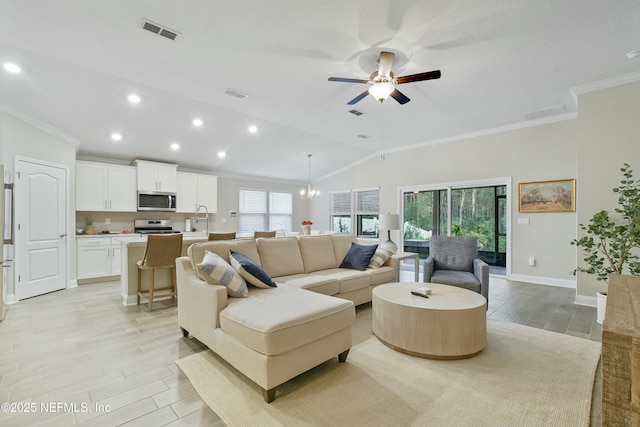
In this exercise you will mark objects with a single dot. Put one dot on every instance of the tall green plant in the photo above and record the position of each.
(612, 246)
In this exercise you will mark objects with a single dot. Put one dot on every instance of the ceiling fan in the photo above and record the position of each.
(383, 82)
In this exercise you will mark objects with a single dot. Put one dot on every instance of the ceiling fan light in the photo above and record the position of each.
(381, 90)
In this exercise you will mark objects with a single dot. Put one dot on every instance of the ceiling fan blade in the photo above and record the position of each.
(429, 75)
(347, 80)
(385, 62)
(358, 98)
(399, 96)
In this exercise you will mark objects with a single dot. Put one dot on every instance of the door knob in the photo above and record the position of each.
(62, 235)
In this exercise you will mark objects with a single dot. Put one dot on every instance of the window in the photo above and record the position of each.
(367, 208)
(355, 211)
(261, 210)
(340, 212)
(463, 210)
(280, 211)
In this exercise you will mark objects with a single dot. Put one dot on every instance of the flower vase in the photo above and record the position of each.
(306, 230)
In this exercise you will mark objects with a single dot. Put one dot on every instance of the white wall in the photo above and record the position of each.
(590, 148)
(609, 135)
(228, 200)
(228, 193)
(540, 153)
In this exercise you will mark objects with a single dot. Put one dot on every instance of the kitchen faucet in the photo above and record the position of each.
(197, 218)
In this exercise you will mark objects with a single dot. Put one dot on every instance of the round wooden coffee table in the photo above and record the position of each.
(450, 324)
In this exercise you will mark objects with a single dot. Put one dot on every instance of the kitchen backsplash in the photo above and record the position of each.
(120, 221)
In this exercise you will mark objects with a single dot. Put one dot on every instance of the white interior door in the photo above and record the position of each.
(41, 231)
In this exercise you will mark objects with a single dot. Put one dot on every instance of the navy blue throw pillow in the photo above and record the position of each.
(250, 271)
(359, 256)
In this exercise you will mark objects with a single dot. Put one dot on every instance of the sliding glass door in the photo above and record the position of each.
(478, 211)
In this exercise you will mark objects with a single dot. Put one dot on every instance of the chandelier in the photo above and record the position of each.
(309, 194)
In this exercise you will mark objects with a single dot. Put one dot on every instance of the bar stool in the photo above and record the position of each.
(257, 234)
(222, 236)
(160, 252)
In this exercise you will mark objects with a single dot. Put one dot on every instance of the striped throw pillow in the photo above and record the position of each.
(216, 271)
(380, 257)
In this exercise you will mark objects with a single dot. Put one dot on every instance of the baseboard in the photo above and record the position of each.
(10, 299)
(549, 281)
(128, 300)
(72, 284)
(586, 300)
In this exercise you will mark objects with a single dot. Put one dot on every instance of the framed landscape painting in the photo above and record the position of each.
(547, 196)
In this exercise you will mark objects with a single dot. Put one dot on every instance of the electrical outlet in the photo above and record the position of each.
(107, 220)
(532, 261)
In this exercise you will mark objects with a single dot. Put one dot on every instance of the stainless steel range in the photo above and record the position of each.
(153, 226)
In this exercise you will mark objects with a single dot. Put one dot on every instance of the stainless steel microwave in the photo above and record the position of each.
(156, 201)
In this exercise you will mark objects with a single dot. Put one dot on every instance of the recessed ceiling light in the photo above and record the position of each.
(12, 68)
(116, 136)
(221, 154)
(633, 54)
(133, 98)
(175, 146)
(197, 122)
(253, 128)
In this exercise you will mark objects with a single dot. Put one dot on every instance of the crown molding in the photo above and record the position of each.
(39, 124)
(605, 84)
(461, 137)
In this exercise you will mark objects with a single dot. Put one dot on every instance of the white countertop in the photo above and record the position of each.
(141, 238)
(82, 236)
(138, 235)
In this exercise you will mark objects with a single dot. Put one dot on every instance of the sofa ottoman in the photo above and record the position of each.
(278, 333)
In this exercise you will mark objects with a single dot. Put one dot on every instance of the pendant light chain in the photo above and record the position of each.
(381, 135)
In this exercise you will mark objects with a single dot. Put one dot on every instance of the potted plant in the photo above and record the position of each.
(611, 244)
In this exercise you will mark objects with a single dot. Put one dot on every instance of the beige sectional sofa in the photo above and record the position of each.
(276, 333)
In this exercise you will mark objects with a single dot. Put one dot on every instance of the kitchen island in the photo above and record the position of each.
(132, 250)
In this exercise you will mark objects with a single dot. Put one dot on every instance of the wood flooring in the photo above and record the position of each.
(78, 357)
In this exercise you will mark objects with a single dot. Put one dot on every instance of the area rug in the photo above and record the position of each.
(524, 377)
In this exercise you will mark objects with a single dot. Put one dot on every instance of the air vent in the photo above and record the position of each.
(363, 136)
(356, 112)
(159, 29)
(236, 93)
(547, 112)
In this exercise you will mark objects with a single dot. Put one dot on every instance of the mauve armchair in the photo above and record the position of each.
(454, 261)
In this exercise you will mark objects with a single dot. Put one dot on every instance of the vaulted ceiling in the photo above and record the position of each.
(500, 59)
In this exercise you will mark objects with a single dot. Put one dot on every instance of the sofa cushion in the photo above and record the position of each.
(348, 279)
(250, 271)
(280, 256)
(317, 253)
(213, 269)
(247, 247)
(278, 320)
(342, 244)
(461, 279)
(359, 256)
(312, 282)
(384, 274)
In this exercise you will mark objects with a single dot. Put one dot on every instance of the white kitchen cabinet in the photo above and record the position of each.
(153, 176)
(196, 189)
(105, 187)
(98, 256)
